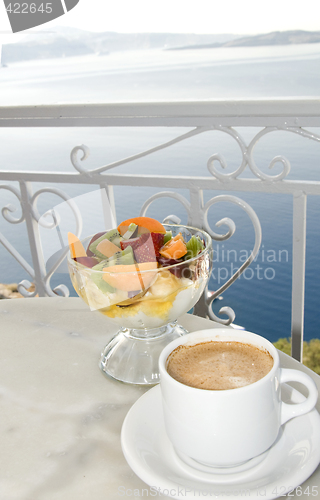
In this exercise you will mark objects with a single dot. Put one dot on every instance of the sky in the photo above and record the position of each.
(198, 16)
(181, 16)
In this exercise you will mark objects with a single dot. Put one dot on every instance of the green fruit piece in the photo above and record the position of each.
(130, 231)
(167, 237)
(122, 257)
(97, 278)
(101, 284)
(194, 246)
(113, 235)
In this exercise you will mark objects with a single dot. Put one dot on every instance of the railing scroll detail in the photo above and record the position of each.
(209, 296)
(30, 214)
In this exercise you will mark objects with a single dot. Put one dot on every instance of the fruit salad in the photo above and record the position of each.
(143, 274)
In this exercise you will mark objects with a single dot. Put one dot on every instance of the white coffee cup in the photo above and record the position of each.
(224, 428)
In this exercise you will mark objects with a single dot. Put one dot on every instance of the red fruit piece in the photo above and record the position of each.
(143, 248)
(157, 239)
(94, 238)
(180, 271)
(132, 242)
(87, 261)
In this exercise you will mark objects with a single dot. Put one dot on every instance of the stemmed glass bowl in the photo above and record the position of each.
(148, 319)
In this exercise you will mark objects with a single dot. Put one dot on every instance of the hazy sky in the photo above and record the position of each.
(178, 16)
(197, 16)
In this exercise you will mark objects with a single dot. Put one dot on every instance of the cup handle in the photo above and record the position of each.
(289, 411)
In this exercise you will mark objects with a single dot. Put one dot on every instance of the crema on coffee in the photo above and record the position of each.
(218, 365)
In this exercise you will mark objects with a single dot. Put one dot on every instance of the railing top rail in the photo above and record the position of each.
(302, 111)
(164, 181)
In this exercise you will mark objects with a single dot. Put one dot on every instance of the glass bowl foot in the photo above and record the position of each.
(132, 355)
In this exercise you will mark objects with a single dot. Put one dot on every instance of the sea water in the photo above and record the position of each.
(261, 298)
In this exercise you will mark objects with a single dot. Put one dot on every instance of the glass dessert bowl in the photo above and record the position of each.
(144, 287)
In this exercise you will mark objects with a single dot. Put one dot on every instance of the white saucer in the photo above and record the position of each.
(288, 463)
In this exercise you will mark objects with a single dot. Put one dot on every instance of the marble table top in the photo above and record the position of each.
(61, 417)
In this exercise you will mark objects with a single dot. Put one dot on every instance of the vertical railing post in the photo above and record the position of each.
(196, 220)
(34, 239)
(196, 208)
(108, 204)
(298, 273)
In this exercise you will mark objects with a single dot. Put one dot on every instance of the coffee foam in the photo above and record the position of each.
(219, 365)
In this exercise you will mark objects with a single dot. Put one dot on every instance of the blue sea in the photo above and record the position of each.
(261, 298)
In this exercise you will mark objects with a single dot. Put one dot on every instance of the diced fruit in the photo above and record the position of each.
(104, 287)
(131, 232)
(76, 247)
(163, 261)
(194, 246)
(167, 237)
(123, 230)
(145, 252)
(174, 249)
(146, 247)
(129, 264)
(119, 259)
(97, 278)
(179, 271)
(130, 277)
(134, 243)
(113, 235)
(94, 238)
(142, 247)
(152, 225)
(87, 261)
(123, 257)
(107, 248)
(178, 237)
(158, 242)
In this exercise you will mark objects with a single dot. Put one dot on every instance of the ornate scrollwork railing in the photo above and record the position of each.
(290, 116)
(29, 213)
(246, 151)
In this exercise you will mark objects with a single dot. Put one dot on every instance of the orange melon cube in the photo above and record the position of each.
(178, 237)
(130, 277)
(76, 247)
(107, 248)
(174, 249)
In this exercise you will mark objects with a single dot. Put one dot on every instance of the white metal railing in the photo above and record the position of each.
(292, 115)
